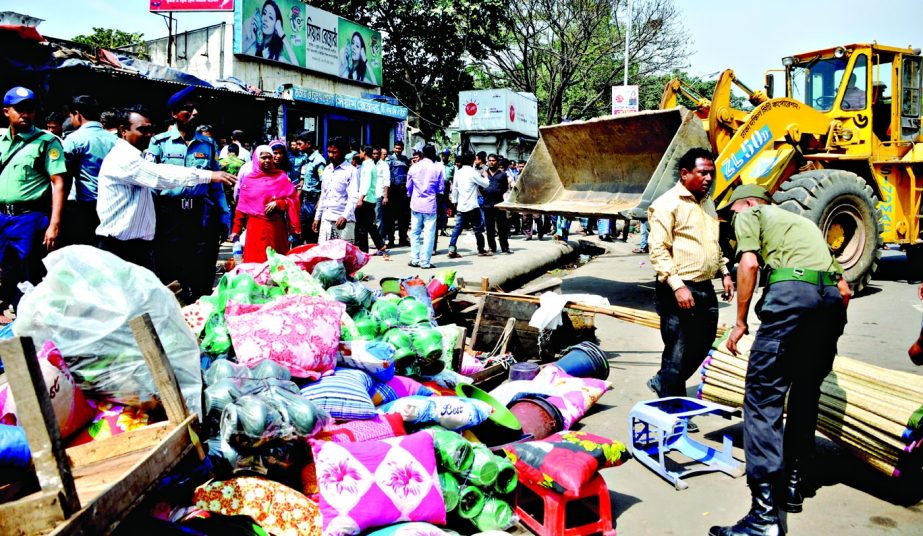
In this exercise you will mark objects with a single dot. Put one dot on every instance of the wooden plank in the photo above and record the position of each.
(509, 332)
(131, 441)
(459, 350)
(475, 331)
(112, 505)
(35, 412)
(164, 378)
(37, 513)
(485, 283)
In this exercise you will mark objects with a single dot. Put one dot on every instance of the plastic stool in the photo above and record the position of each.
(658, 426)
(593, 498)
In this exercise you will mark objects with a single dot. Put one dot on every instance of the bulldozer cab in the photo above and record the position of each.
(874, 90)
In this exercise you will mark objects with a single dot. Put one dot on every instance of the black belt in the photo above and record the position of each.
(25, 207)
(181, 203)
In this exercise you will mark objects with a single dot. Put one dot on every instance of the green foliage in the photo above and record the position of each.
(110, 38)
(427, 45)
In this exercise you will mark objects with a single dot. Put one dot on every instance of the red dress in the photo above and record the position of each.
(263, 232)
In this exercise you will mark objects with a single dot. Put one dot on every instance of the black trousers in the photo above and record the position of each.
(687, 335)
(792, 353)
(397, 212)
(365, 226)
(185, 249)
(140, 252)
(497, 226)
(79, 221)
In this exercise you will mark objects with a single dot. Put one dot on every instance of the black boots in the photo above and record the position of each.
(763, 518)
(792, 496)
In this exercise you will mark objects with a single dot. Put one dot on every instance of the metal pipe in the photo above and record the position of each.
(627, 39)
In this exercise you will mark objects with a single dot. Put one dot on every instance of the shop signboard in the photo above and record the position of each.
(191, 5)
(624, 99)
(347, 102)
(498, 110)
(292, 32)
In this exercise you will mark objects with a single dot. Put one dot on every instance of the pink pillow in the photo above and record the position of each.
(378, 483)
(379, 427)
(301, 333)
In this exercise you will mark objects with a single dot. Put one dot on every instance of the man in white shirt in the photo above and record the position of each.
(236, 137)
(336, 211)
(125, 205)
(465, 196)
(383, 174)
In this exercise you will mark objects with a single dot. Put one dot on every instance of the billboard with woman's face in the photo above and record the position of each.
(290, 31)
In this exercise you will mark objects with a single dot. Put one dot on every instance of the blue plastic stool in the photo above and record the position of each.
(658, 426)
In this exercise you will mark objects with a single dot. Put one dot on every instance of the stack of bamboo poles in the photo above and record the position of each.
(873, 412)
(635, 316)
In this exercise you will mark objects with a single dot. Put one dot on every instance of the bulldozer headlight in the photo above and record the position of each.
(788, 61)
(846, 134)
(839, 52)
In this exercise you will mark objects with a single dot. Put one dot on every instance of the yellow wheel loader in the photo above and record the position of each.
(843, 148)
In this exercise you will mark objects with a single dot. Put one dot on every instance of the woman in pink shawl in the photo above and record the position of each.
(267, 206)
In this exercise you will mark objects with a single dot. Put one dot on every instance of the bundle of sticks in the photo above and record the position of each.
(873, 412)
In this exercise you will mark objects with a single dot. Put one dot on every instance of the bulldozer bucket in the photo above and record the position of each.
(615, 165)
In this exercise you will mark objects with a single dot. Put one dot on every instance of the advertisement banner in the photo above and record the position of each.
(624, 99)
(271, 29)
(322, 44)
(498, 109)
(359, 53)
(191, 5)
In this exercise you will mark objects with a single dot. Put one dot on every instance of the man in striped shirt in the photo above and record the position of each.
(126, 179)
(685, 253)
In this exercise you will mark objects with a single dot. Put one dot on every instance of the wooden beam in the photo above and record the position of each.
(164, 378)
(36, 414)
(35, 514)
(131, 441)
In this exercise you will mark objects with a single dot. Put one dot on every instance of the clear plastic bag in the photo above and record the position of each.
(84, 305)
(330, 273)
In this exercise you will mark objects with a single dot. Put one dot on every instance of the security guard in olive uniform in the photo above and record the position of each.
(32, 170)
(192, 221)
(802, 313)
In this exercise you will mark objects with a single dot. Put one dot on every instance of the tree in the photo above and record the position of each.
(110, 38)
(427, 45)
(570, 52)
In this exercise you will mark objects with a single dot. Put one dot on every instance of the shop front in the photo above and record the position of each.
(361, 120)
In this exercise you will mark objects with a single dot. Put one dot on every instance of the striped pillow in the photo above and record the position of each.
(345, 395)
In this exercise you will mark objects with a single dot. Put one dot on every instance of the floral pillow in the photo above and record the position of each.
(300, 333)
(566, 461)
(277, 508)
(378, 483)
(379, 427)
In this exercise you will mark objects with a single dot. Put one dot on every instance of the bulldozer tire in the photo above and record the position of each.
(844, 207)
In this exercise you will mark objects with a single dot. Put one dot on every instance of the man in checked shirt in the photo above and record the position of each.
(685, 253)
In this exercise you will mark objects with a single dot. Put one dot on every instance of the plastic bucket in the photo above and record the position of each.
(390, 285)
(538, 417)
(584, 360)
(501, 427)
(523, 371)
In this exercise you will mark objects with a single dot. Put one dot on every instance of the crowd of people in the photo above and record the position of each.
(167, 198)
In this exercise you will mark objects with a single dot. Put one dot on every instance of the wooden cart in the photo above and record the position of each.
(89, 489)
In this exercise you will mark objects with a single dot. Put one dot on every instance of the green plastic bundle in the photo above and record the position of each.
(496, 514)
(507, 478)
(449, 491)
(484, 468)
(470, 501)
(454, 451)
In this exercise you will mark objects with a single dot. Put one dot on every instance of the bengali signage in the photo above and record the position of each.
(624, 99)
(497, 110)
(191, 5)
(347, 102)
(292, 32)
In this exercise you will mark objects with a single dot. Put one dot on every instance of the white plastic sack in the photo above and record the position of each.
(84, 305)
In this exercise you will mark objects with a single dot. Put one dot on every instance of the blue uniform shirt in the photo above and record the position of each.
(170, 148)
(84, 151)
(298, 160)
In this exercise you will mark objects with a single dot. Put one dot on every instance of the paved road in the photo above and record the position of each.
(853, 499)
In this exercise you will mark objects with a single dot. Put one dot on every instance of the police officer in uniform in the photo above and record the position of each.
(192, 221)
(32, 170)
(802, 313)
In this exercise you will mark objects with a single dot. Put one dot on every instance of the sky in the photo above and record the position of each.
(748, 36)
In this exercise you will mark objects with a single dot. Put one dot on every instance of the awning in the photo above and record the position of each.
(345, 102)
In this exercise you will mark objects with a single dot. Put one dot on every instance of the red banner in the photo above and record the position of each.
(191, 5)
